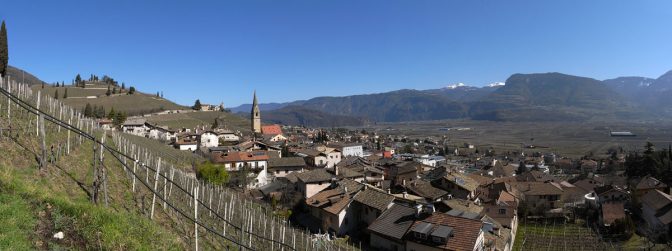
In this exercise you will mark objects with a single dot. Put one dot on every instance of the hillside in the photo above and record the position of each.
(23, 76)
(205, 118)
(138, 103)
(402, 105)
(297, 115)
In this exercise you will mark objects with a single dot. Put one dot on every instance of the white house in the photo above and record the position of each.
(228, 136)
(349, 149)
(427, 160)
(138, 127)
(256, 162)
(209, 139)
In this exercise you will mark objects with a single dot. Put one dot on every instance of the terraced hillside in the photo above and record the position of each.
(138, 103)
(197, 119)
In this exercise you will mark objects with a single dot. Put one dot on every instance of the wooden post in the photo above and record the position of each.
(156, 183)
(135, 165)
(37, 119)
(196, 216)
(102, 169)
(94, 197)
(68, 142)
(43, 164)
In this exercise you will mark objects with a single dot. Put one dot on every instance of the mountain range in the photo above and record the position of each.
(522, 97)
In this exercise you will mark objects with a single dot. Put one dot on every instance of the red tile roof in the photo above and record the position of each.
(612, 212)
(271, 129)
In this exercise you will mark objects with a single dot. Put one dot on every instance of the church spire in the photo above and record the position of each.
(256, 116)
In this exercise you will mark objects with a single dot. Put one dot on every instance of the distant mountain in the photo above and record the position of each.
(262, 107)
(302, 116)
(463, 93)
(22, 76)
(551, 97)
(630, 87)
(523, 97)
(402, 105)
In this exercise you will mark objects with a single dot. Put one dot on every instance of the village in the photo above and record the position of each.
(393, 192)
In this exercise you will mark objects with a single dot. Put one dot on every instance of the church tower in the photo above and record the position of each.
(256, 116)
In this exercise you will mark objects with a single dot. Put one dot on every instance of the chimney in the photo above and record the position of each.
(336, 170)
(403, 182)
(418, 210)
(389, 191)
(405, 194)
(346, 189)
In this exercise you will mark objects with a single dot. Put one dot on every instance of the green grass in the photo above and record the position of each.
(23, 193)
(17, 221)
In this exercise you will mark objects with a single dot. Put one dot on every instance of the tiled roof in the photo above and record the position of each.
(286, 162)
(394, 222)
(315, 175)
(612, 212)
(539, 188)
(334, 200)
(271, 129)
(374, 198)
(463, 205)
(649, 183)
(464, 235)
(425, 189)
(603, 189)
(462, 180)
(656, 199)
(480, 179)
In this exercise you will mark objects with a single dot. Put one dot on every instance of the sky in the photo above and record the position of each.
(222, 51)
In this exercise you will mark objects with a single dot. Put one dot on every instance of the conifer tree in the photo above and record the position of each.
(197, 105)
(131, 90)
(4, 50)
(56, 95)
(88, 112)
(65, 95)
(111, 114)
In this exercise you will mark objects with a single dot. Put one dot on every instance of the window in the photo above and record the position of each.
(502, 211)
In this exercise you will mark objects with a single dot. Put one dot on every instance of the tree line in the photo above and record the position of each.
(657, 163)
(118, 118)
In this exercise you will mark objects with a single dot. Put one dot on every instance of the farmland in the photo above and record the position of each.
(570, 139)
(557, 236)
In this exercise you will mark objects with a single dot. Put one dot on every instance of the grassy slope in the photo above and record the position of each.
(45, 203)
(193, 119)
(132, 104)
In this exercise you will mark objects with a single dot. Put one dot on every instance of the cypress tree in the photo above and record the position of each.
(4, 51)
(88, 112)
(111, 114)
(56, 95)
(65, 95)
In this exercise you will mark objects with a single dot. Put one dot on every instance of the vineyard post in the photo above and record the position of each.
(43, 135)
(196, 216)
(102, 169)
(37, 119)
(156, 183)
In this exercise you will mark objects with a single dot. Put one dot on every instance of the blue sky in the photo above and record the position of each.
(288, 50)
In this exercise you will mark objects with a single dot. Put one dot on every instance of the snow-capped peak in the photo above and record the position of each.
(496, 84)
(453, 86)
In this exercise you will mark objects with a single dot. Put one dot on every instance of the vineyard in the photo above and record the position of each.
(118, 174)
(557, 236)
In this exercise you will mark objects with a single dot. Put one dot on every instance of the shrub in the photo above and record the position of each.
(212, 173)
